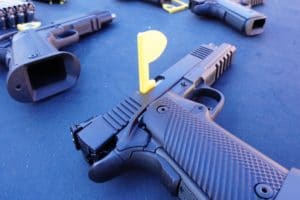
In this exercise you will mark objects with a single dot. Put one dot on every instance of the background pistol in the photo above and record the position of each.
(242, 18)
(37, 69)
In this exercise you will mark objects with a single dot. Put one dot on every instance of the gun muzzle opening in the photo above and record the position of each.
(43, 77)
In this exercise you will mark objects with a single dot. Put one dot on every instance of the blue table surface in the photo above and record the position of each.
(262, 89)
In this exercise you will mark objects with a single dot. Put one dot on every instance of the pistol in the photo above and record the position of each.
(170, 131)
(37, 69)
(242, 18)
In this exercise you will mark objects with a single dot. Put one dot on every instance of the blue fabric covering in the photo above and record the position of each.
(262, 89)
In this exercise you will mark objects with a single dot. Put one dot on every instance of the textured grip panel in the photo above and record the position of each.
(222, 166)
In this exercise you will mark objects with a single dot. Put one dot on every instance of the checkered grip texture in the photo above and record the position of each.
(253, 2)
(223, 166)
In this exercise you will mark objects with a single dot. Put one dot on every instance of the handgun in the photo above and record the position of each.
(242, 18)
(37, 69)
(170, 131)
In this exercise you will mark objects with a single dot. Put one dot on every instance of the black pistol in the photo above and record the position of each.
(171, 131)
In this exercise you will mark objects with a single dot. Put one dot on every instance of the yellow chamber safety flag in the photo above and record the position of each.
(151, 44)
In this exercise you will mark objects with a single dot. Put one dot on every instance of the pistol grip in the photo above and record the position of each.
(220, 164)
(39, 70)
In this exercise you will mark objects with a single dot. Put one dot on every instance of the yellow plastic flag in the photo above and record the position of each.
(175, 6)
(151, 44)
(28, 25)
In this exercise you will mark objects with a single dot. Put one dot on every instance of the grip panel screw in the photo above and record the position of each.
(162, 109)
(264, 191)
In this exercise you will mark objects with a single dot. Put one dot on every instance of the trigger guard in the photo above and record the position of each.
(215, 95)
(219, 97)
